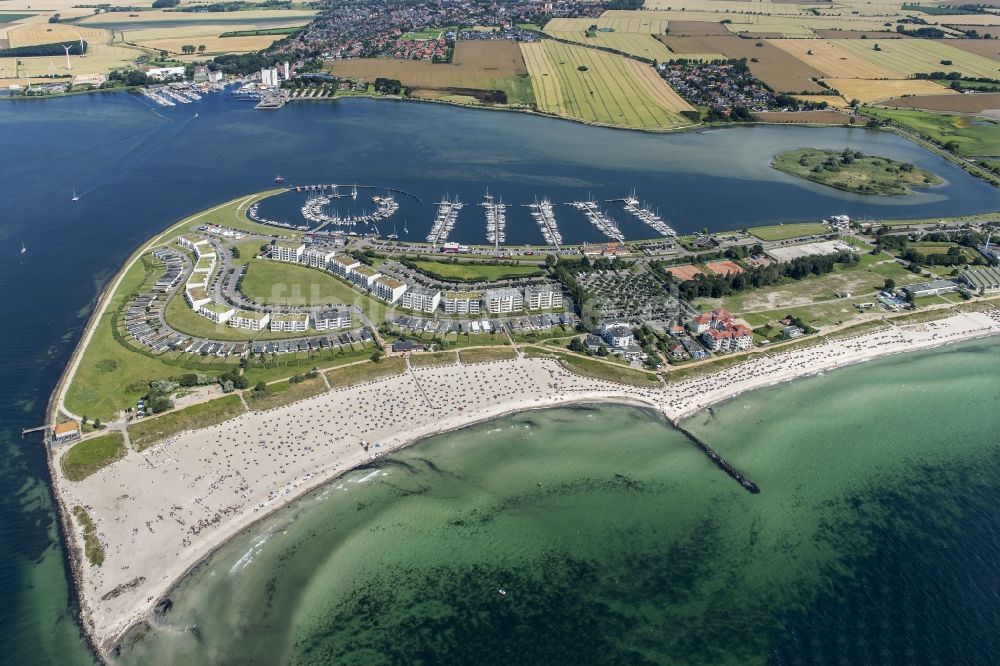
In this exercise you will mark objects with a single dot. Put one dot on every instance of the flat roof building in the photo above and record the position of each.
(293, 322)
(503, 300)
(421, 299)
(543, 297)
(387, 288)
(253, 321)
(932, 288)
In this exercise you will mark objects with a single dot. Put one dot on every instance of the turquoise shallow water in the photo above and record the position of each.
(874, 539)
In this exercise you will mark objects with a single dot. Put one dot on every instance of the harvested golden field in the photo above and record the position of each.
(872, 91)
(477, 66)
(173, 39)
(909, 56)
(101, 56)
(979, 20)
(775, 67)
(858, 34)
(834, 101)
(977, 103)
(594, 86)
(832, 61)
(642, 46)
(639, 23)
(249, 16)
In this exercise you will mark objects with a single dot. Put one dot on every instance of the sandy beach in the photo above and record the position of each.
(160, 512)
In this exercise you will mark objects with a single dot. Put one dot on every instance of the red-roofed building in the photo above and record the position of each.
(718, 318)
(735, 337)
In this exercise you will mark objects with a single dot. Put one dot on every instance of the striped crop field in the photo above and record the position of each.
(609, 89)
(832, 61)
(909, 56)
(642, 46)
(634, 22)
(873, 91)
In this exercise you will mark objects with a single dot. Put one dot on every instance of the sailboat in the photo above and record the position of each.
(75, 196)
(23, 249)
(393, 235)
(405, 230)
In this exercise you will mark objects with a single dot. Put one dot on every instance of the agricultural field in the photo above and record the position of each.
(776, 29)
(477, 66)
(873, 91)
(802, 117)
(977, 103)
(599, 87)
(254, 16)
(825, 56)
(640, 23)
(102, 56)
(641, 46)
(172, 39)
(988, 48)
(696, 28)
(909, 56)
(974, 137)
(834, 101)
(779, 69)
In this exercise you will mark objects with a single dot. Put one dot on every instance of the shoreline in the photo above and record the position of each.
(528, 384)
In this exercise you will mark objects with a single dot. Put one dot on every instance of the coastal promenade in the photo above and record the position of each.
(160, 512)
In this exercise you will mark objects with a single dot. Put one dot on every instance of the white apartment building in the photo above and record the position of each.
(196, 297)
(343, 265)
(200, 246)
(462, 302)
(317, 257)
(363, 276)
(387, 288)
(503, 300)
(325, 320)
(421, 299)
(286, 252)
(254, 321)
(295, 322)
(217, 312)
(543, 297)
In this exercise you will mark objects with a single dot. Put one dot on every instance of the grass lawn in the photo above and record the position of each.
(92, 547)
(90, 455)
(777, 232)
(280, 283)
(284, 393)
(433, 359)
(929, 247)
(366, 372)
(279, 366)
(146, 432)
(607, 371)
(974, 136)
(485, 355)
(475, 272)
(248, 250)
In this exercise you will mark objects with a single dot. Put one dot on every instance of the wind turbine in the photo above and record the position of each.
(68, 64)
(52, 67)
(83, 52)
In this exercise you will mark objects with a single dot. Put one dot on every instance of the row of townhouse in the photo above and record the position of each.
(421, 299)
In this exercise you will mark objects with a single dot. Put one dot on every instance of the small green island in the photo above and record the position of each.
(853, 171)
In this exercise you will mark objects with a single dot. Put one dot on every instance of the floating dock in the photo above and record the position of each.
(646, 216)
(545, 218)
(445, 220)
(599, 219)
(496, 220)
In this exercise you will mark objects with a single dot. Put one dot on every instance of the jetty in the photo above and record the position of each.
(599, 219)
(545, 217)
(496, 220)
(719, 461)
(445, 220)
(645, 215)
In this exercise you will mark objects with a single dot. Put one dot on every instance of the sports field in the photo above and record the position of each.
(909, 56)
(871, 91)
(777, 232)
(600, 87)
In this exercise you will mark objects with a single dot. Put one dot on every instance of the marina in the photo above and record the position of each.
(496, 219)
(544, 215)
(597, 217)
(445, 219)
(646, 216)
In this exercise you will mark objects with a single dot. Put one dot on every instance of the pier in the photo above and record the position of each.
(496, 220)
(25, 431)
(599, 219)
(747, 484)
(445, 220)
(545, 217)
(646, 216)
